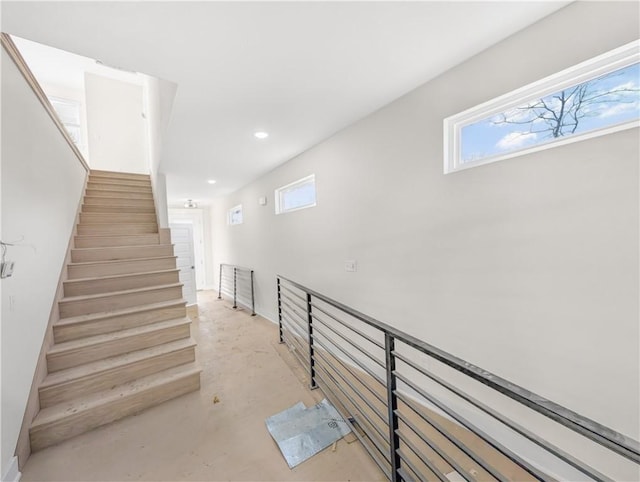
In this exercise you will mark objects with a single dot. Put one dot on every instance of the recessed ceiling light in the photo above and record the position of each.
(211, 181)
(191, 204)
(261, 134)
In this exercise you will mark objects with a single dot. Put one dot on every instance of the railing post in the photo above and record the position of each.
(220, 284)
(253, 301)
(280, 314)
(392, 404)
(235, 304)
(312, 363)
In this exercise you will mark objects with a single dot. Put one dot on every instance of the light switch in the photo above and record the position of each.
(350, 265)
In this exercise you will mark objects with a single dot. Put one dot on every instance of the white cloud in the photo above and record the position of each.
(619, 108)
(516, 139)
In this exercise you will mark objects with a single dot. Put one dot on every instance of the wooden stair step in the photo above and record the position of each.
(119, 282)
(103, 193)
(118, 175)
(128, 266)
(65, 385)
(120, 240)
(65, 420)
(117, 201)
(85, 350)
(117, 228)
(117, 217)
(83, 305)
(112, 253)
(119, 181)
(99, 323)
(99, 186)
(120, 208)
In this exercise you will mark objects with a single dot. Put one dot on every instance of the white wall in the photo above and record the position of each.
(527, 267)
(42, 182)
(117, 132)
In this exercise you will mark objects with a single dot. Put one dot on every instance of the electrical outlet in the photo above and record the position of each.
(7, 269)
(350, 265)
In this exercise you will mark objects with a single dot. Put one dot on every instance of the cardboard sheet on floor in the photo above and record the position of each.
(303, 432)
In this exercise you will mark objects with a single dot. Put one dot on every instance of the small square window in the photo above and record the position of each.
(235, 215)
(300, 194)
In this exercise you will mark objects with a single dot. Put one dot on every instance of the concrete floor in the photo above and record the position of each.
(193, 438)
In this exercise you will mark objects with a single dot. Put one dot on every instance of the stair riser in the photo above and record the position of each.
(94, 193)
(146, 183)
(109, 285)
(110, 241)
(81, 422)
(126, 218)
(115, 253)
(62, 333)
(105, 379)
(116, 201)
(73, 358)
(115, 302)
(120, 267)
(98, 186)
(118, 175)
(115, 229)
(97, 208)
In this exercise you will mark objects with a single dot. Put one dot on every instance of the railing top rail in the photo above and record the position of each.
(241, 268)
(615, 441)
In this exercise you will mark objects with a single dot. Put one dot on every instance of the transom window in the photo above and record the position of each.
(235, 215)
(300, 194)
(596, 97)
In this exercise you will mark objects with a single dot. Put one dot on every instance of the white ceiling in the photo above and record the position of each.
(298, 70)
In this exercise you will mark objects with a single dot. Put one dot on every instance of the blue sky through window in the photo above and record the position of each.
(602, 102)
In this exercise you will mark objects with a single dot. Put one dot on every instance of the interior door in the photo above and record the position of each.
(182, 239)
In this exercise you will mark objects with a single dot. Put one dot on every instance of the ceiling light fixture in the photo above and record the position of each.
(211, 181)
(191, 204)
(261, 135)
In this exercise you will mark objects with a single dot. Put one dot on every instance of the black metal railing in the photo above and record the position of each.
(411, 404)
(236, 282)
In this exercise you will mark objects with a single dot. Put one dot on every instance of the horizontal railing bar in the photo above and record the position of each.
(358, 377)
(297, 295)
(364, 415)
(351, 342)
(355, 330)
(364, 441)
(422, 457)
(404, 476)
(295, 323)
(476, 430)
(452, 438)
(293, 302)
(299, 318)
(295, 349)
(302, 341)
(375, 409)
(406, 461)
(591, 429)
(303, 315)
(436, 448)
(569, 459)
(293, 329)
(351, 357)
(239, 268)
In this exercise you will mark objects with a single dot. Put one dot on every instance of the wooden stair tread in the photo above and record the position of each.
(113, 261)
(91, 368)
(68, 299)
(56, 413)
(116, 276)
(116, 174)
(115, 335)
(119, 312)
(109, 248)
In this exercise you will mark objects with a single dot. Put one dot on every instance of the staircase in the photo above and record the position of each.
(122, 342)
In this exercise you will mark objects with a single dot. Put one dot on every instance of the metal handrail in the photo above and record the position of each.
(232, 282)
(594, 431)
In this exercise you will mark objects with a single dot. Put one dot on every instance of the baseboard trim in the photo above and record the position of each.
(12, 473)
